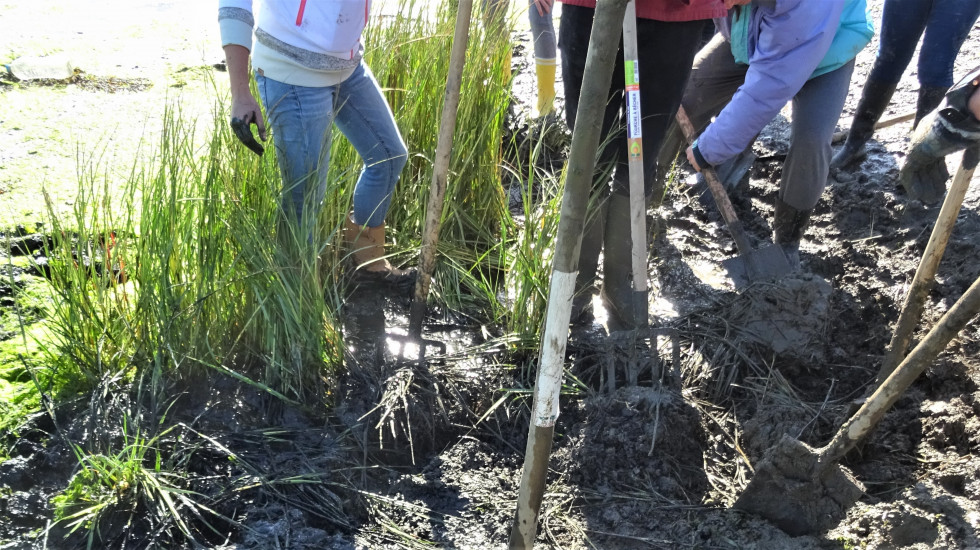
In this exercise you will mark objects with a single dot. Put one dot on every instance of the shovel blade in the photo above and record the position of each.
(797, 492)
(763, 264)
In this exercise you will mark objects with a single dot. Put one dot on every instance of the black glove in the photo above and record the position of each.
(924, 174)
(243, 130)
(949, 129)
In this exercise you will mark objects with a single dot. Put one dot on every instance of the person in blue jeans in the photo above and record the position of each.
(545, 54)
(308, 65)
(943, 26)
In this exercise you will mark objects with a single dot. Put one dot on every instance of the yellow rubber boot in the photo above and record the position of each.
(545, 69)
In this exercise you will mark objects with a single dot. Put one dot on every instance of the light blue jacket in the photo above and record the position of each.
(785, 42)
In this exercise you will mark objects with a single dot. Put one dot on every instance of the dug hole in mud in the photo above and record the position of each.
(430, 455)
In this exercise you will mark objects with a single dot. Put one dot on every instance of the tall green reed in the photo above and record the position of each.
(196, 272)
(410, 58)
(206, 275)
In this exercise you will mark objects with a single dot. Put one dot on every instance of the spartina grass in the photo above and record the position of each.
(190, 266)
(410, 58)
(196, 271)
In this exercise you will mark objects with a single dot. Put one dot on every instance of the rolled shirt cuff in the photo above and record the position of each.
(235, 31)
(698, 157)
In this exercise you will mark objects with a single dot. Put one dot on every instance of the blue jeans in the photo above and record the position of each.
(542, 33)
(301, 119)
(946, 24)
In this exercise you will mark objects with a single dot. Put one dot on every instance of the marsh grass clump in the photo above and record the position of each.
(191, 272)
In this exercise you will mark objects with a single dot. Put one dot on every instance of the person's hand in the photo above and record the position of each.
(729, 4)
(543, 6)
(691, 159)
(245, 112)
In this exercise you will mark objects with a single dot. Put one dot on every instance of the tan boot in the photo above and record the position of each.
(367, 246)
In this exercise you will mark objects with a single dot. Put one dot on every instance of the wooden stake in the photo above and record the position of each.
(440, 168)
(634, 154)
(603, 46)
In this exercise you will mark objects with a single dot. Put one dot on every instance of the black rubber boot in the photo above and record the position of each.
(617, 266)
(788, 228)
(929, 98)
(588, 264)
(874, 99)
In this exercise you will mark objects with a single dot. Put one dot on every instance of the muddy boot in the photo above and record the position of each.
(588, 264)
(788, 227)
(929, 98)
(617, 266)
(367, 246)
(874, 99)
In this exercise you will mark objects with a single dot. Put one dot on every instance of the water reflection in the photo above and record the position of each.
(364, 323)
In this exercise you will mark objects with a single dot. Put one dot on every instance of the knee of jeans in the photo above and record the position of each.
(397, 158)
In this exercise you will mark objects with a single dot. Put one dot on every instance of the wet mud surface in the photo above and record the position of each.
(432, 451)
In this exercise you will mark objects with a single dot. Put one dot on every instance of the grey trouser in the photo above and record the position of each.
(716, 77)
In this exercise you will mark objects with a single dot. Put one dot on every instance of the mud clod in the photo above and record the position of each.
(792, 491)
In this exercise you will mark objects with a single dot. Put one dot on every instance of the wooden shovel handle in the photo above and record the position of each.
(925, 274)
(742, 241)
(875, 407)
(440, 169)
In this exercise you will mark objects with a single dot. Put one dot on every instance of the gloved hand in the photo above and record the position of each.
(924, 173)
(245, 113)
(952, 127)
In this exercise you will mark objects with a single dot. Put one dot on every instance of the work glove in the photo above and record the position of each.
(942, 132)
(245, 112)
(243, 131)
(950, 128)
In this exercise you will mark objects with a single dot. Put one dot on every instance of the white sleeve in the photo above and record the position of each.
(235, 21)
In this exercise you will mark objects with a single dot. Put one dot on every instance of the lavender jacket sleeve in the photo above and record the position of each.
(788, 39)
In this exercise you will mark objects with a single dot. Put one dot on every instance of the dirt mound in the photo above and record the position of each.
(788, 316)
(630, 450)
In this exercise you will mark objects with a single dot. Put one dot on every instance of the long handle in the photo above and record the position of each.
(578, 183)
(634, 140)
(440, 169)
(875, 407)
(883, 123)
(717, 190)
(925, 274)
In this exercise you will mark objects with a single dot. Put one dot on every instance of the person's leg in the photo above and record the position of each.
(300, 119)
(545, 58)
(573, 39)
(714, 79)
(816, 109)
(902, 23)
(366, 120)
(948, 26)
